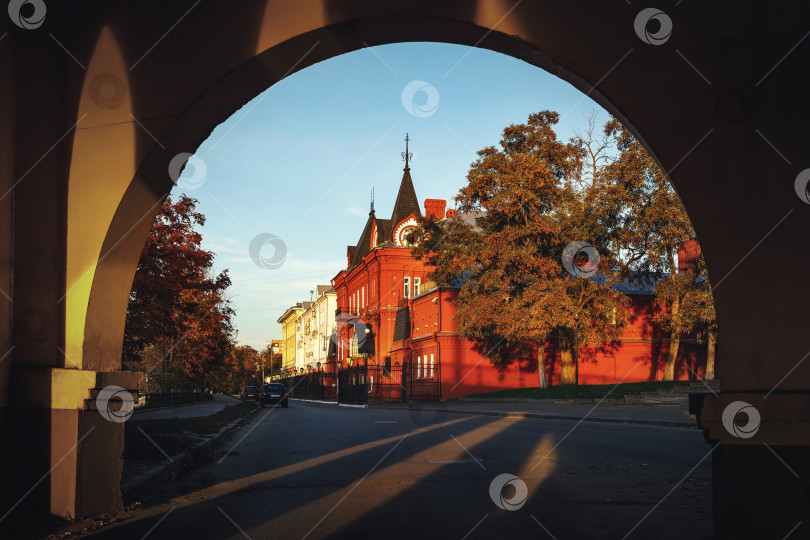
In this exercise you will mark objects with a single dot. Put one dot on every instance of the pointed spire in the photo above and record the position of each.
(406, 203)
(372, 202)
(407, 155)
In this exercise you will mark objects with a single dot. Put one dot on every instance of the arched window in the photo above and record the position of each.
(431, 366)
(418, 367)
(353, 345)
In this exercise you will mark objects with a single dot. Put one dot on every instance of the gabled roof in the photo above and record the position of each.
(289, 311)
(384, 231)
(472, 218)
(406, 203)
(364, 244)
(323, 289)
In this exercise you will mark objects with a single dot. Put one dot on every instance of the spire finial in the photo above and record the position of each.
(407, 155)
(372, 200)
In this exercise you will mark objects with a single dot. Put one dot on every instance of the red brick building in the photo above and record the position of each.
(390, 315)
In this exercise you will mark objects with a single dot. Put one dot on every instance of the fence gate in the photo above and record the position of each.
(388, 385)
(352, 388)
(311, 386)
(359, 385)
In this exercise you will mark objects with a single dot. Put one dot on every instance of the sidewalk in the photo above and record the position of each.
(657, 415)
(205, 408)
(192, 437)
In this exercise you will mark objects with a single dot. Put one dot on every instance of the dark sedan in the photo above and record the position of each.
(274, 393)
(250, 392)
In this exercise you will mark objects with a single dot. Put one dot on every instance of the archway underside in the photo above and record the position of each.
(176, 95)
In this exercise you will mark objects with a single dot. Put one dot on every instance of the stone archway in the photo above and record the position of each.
(105, 98)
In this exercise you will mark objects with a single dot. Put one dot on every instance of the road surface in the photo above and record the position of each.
(321, 471)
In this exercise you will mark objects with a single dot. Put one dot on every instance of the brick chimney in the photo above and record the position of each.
(434, 208)
(451, 213)
(688, 255)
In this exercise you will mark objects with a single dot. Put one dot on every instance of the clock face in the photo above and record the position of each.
(405, 228)
(403, 235)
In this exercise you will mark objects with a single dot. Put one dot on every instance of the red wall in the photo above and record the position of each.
(640, 356)
(382, 273)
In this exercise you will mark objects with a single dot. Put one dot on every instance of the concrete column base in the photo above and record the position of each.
(761, 463)
(60, 455)
(756, 495)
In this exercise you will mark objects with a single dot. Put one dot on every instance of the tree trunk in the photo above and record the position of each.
(672, 355)
(710, 357)
(674, 342)
(567, 368)
(541, 364)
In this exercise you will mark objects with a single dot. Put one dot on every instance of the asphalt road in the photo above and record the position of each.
(322, 471)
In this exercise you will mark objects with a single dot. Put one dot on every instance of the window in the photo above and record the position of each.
(353, 349)
(407, 282)
(431, 366)
(416, 283)
(418, 367)
(363, 304)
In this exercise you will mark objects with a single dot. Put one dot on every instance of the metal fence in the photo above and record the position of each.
(352, 385)
(318, 385)
(358, 385)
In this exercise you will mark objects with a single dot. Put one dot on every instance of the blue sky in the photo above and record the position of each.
(300, 159)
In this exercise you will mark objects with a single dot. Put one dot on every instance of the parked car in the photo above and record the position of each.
(250, 392)
(274, 393)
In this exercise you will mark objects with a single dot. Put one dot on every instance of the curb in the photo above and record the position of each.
(329, 403)
(609, 401)
(144, 483)
(551, 416)
(322, 402)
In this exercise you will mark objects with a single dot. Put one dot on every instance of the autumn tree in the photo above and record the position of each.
(178, 315)
(503, 251)
(524, 203)
(272, 360)
(684, 295)
(690, 290)
(240, 368)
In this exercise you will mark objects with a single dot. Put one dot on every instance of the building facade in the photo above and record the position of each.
(289, 338)
(302, 323)
(389, 315)
(324, 324)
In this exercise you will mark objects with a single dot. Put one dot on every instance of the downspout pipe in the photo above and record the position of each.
(436, 340)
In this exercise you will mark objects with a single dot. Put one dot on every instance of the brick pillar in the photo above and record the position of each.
(60, 453)
(760, 452)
